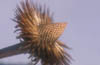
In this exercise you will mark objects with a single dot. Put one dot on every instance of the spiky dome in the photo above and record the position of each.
(39, 35)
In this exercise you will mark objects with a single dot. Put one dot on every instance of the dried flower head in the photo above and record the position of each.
(40, 34)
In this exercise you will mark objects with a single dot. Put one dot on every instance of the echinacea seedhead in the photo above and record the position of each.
(40, 34)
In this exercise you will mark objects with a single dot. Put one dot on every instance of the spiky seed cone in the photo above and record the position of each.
(40, 35)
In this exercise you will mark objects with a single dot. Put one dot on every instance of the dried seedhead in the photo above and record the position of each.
(40, 34)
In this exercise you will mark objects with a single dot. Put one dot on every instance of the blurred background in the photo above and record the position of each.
(82, 33)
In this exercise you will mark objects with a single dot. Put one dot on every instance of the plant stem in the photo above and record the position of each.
(11, 51)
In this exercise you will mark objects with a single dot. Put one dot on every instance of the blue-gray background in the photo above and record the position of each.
(82, 33)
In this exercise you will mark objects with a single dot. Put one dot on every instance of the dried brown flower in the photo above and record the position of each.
(40, 34)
